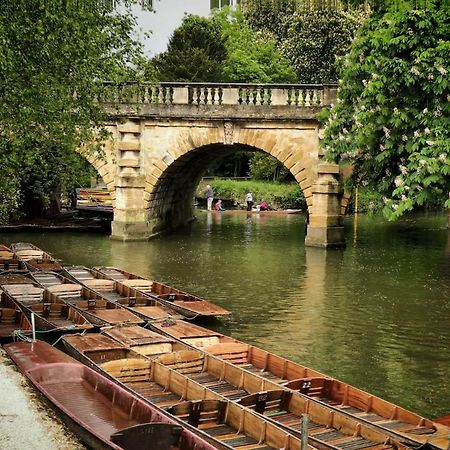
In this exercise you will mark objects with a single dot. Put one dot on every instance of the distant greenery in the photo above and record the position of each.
(277, 195)
(310, 34)
(392, 118)
(196, 52)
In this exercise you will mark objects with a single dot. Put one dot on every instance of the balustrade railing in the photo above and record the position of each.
(303, 95)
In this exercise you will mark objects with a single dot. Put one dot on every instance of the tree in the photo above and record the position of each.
(311, 34)
(253, 56)
(196, 52)
(392, 120)
(54, 57)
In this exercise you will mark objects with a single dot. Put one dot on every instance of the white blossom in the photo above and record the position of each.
(425, 110)
(382, 147)
(398, 181)
(415, 70)
(364, 82)
(422, 162)
(430, 142)
(442, 71)
(387, 132)
(427, 130)
(443, 158)
(416, 133)
(404, 137)
(396, 111)
(430, 76)
(403, 197)
(403, 170)
(394, 206)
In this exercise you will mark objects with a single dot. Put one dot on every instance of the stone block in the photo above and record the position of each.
(128, 162)
(128, 172)
(129, 127)
(328, 168)
(325, 237)
(321, 221)
(130, 231)
(133, 145)
(326, 188)
(133, 182)
(297, 168)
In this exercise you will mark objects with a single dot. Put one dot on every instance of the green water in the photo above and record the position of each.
(376, 315)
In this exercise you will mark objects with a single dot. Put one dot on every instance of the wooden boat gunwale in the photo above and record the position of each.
(117, 395)
(43, 318)
(171, 380)
(130, 300)
(265, 356)
(168, 290)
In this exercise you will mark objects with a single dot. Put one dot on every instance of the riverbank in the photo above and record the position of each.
(25, 420)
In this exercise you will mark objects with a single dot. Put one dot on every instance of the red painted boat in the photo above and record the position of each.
(101, 413)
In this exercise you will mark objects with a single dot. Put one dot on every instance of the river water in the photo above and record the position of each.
(376, 315)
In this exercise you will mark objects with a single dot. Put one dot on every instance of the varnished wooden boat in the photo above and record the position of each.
(20, 292)
(34, 258)
(445, 420)
(8, 261)
(96, 310)
(12, 320)
(163, 387)
(327, 427)
(335, 394)
(101, 413)
(143, 341)
(147, 308)
(186, 304)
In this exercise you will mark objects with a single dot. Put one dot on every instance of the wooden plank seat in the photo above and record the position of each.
(99, 285)
(66, 290)
(26, 255)
(47, 279)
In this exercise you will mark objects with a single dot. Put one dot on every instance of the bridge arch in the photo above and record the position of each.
(172, 178)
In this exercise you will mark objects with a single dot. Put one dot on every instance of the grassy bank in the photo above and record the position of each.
(277, 195)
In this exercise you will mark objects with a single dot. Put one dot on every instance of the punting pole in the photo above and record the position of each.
(33, 327)
(304, 437)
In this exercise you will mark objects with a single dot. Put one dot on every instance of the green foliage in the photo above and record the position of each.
(196, 52)
(266, 167)
(310, 34)
(253, 57)
(53, 60)
(392, 118)
(277, 195)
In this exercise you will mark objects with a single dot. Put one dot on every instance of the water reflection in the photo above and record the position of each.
(375, 314)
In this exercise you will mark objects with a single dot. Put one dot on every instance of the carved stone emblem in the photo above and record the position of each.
(228, 131)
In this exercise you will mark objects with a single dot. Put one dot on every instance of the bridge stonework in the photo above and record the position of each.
(164, 137)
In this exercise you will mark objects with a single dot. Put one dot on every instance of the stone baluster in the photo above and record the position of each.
(230, 96)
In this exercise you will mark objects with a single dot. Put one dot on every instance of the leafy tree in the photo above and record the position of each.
(196, 52)
(266, 167)
(311, 34)
(54, 57)
(253, 57)
(392, 118)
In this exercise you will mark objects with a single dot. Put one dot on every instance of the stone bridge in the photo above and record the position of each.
(165, 136)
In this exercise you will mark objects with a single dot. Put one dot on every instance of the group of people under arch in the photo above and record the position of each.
(263, 206)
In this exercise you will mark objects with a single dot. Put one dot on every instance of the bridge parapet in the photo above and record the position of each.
(216, 94)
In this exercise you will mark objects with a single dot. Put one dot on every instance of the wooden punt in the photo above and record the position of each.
(96, 310)
(20, 292)
(148, 308)
(143, 341)
(328, 428)
(183, 303)
(160, 386)
(8, 261)
(339, 396)
(101, 413)
(34, 258)
(11, 321)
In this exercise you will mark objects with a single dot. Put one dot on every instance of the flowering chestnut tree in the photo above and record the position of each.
(391, 120)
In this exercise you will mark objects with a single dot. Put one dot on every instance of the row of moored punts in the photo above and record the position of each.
(137, 374)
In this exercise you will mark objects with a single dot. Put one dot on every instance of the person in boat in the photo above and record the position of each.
(209, 194)
(249, 200)
(263, 205)
(218, 206)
